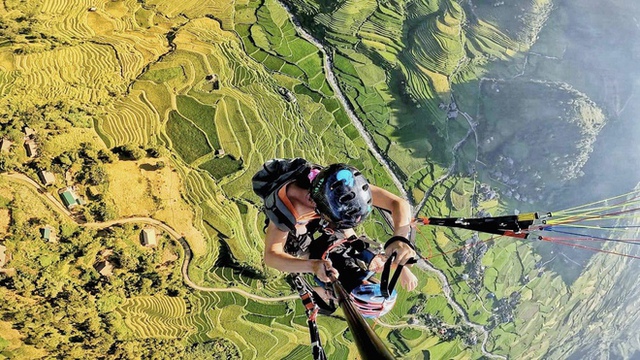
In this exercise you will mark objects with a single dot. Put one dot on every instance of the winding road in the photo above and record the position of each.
(42, 192)
(331, 78)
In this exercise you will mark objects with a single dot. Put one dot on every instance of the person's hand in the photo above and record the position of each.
(324, 270)
(377, 263)
(407, 280)
(403, 251)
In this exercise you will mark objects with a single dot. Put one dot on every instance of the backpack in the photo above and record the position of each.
(269, 179)
(275, 173)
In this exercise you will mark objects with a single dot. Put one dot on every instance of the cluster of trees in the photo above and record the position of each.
(88, 165)
(62, 306)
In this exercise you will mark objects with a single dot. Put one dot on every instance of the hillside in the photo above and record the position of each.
(156, 114)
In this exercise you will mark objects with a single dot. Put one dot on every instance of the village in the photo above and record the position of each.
(70, 195)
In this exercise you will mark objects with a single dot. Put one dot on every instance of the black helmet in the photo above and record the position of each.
(342, 195)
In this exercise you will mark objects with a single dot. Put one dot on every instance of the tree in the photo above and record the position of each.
(218, 349)
(107, 157)
(96, 175)
(66, 159)
(154, 152)
(130, 152)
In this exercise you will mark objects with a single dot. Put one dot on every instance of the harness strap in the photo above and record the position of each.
(386, 285)
(311, 310)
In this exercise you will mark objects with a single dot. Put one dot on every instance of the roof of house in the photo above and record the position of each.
(49, 234)
(105, 268)
(46, 177)
(5, 145)
(69, 198)
(3, 255)
(94, 191)
(31, 147)
(149, 237)
(28, 131)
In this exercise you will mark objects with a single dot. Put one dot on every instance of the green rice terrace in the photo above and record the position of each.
(153, 115)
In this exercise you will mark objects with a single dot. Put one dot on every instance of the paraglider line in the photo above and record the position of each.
(583, 237)
(587, 218)
(590, 248)
(580, 208)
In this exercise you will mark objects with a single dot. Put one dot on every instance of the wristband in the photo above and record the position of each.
(401, 239)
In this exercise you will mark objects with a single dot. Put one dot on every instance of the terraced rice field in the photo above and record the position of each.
(131, 121)
(50, 74)
(156, 316)
(207, 78)
(208, 315)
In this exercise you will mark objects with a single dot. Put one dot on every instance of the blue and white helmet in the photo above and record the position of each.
(370, 302)
(342, 195)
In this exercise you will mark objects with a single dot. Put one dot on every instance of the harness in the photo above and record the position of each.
(311, 309)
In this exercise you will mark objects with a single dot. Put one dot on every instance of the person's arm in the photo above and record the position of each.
(401, 216)
(277, 258)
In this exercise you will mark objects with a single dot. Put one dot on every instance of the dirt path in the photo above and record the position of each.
(42, 191)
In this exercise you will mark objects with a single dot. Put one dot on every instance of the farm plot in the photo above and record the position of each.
(84, 73)
(156, 316)
(197, 9)
(186, 138)
(437, 45)
(273, 41)
(130, 120)
(201, 115)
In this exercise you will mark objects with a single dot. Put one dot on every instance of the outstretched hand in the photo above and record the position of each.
(324, 270)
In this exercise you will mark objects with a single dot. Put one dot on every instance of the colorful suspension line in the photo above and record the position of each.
(605, 221)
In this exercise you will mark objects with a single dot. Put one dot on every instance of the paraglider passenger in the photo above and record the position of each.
(303, 200)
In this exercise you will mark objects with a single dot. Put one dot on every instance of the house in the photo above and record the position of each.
(47, 177)
(69, 198)
(287, 94)
(5, 145)
(3, 255)
(149, 237)
(213, 79)
(28, 132)
(48, 234)
(31, 148)
(105, 268)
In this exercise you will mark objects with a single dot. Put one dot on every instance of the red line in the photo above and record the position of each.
(590, 248)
